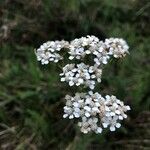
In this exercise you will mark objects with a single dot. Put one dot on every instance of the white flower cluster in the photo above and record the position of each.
(95, 112)
(80, 47)
(102, 51)
(117, 47)
(114, 111)
(81, 74)
(101, 54)
(49, 51)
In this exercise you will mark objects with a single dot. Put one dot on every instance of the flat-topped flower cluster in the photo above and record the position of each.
(95, 112)
(87, 56)
(79, 48)
(49, 51)
(77, 74)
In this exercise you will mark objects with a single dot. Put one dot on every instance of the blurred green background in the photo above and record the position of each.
(31, 96)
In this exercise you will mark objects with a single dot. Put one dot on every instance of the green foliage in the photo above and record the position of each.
(31, 96)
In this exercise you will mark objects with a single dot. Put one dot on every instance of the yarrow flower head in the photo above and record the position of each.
(83, 46)
(87, 57)
(114, 112)
(81, 74)
(102, 51)
(95, 112)
(49, 51)
(117, 47)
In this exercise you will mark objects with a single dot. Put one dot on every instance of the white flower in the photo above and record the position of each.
(117, 47)
(114, 111)
(101, 54)
(95, 112)
(81, 74)
(83, 46)
(49, 51)
(89, 124)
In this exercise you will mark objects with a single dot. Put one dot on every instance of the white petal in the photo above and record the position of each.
(71, 117)
(112, 128)
(90, 92)
(124, 116)
(93, 76)
(99, 130)
(65, 115)
(105, 125)
(91, 86)
(77, 110)
(85, 131)
(97, 104)
(98, 80)
(76, 104)
(107, 97)
(128, 108)
(77, 84)
(120, 118)
(62, 79)
(46, 62)
(104, 61)
(77, 115)
(71, 83)
(117, 112)
(95, 109)
(90, 70)
(71, 57)
(74, 70)
(87, 114)
(87, 108)
(112, 113)
(118, 125)
(80, 80)
(107, 114)
(107, 108)
(87, 51)
(88, 101)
